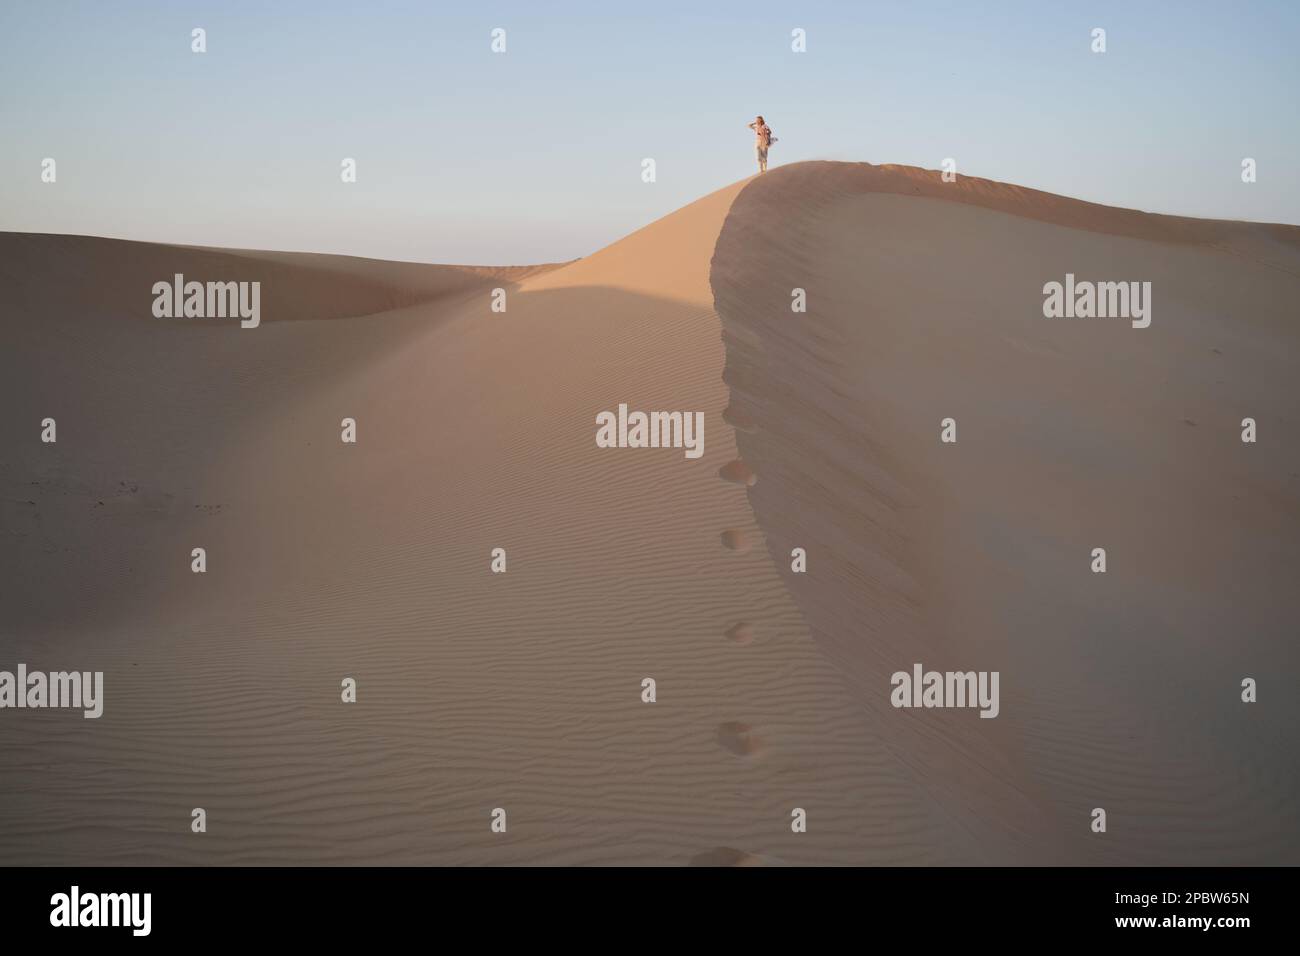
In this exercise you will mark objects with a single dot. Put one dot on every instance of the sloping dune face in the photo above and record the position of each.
(521, 690)
(1120, 690)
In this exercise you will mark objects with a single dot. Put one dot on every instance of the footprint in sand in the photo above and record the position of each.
(739, 472)
(739, 739)
(742, 632)
(726, 856)
(735, 539)
(738, 420)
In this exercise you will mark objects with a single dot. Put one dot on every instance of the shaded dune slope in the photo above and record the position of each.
(1119, 690)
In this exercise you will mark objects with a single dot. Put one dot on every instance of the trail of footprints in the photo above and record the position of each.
(734, 736)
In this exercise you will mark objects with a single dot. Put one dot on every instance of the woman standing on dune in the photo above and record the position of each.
(764, 139)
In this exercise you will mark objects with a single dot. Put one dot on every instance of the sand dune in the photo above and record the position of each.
(523, 690)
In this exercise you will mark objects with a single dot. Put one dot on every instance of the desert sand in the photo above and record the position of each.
(522, 690)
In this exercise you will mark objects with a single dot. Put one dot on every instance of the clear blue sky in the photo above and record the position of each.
(534, 155)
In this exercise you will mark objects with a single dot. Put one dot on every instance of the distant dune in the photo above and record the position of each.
(522, 690)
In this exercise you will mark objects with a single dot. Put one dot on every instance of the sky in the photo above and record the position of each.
(535, 154)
